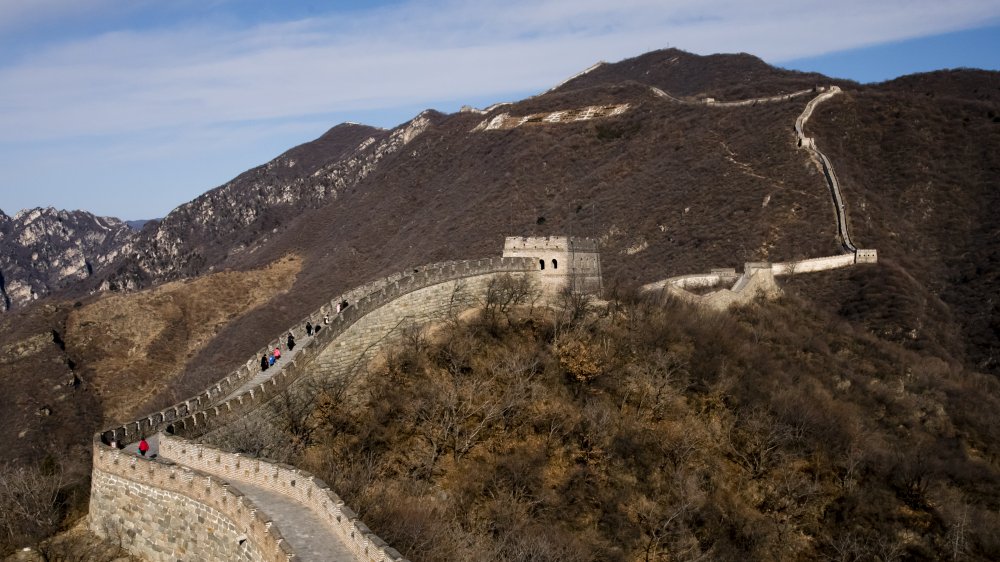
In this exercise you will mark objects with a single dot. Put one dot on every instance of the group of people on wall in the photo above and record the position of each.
(269, 359)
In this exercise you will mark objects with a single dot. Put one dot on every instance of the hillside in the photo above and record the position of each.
(920, 172)
(667, 188)
(648, 430)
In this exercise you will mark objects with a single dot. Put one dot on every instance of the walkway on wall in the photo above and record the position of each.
(287, 356)
(809, 144)
(305, 531)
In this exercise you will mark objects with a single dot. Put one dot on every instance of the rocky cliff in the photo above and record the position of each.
(43, 250)
(214, 231)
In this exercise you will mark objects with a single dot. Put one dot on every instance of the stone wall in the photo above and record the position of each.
(299, 485)
(164, 512)
(754, 101)
(423, 295)
(218, 399)
(809, 144)
(757, 279)
(366, 337)
(813, 264)
(168, 511)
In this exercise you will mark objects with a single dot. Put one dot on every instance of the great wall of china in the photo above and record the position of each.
(758, 277)
(195, 501)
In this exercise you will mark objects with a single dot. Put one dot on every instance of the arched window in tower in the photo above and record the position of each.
(541, 264)
(555, 264)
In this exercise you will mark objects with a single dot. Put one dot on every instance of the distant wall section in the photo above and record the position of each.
(758, 279)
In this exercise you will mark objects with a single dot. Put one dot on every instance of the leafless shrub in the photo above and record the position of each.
(79, 545)
(31, 503)
(255, 437)
(503, 293)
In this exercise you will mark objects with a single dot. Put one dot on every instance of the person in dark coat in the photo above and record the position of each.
(291, 341)
(264, 363)
(309, 328)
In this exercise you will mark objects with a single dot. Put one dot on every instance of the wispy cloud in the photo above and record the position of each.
(218, 72)
(128, 80)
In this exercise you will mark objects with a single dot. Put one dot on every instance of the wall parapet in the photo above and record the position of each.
(362, 300)
(213, 415)
(299, 485)
(196, 485)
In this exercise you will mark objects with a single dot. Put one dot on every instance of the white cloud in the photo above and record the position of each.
(418, 52)
(196, 83)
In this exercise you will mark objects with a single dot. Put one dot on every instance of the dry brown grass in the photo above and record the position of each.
(138, 343)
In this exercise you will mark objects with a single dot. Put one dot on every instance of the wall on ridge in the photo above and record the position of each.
(163, 512)
(813, 264)
(755, 101)
(216, 400)
(425, 295)
(366, 337)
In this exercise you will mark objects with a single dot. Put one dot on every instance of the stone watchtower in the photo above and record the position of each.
(563, 261)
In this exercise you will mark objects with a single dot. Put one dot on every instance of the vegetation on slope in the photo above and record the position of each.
(69, 369)
(645, 430)
(920, 170)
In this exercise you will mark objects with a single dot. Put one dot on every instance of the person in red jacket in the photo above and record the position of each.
(277, 353)
(143, 447)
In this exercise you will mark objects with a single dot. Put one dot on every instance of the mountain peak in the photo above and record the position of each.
(681, 73)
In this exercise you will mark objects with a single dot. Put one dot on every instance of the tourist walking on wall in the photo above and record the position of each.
(309, 328)
(264, 363)
(143, 447)
(326, 319)
(277, 353)
(291, 341)
(270, 359)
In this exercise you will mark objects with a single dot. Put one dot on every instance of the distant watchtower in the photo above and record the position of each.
(563, 261)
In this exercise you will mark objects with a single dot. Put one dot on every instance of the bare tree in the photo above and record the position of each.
(31, 503)
(503, 293)
(754, 439)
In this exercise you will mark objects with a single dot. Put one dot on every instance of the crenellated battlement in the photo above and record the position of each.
(185, 479)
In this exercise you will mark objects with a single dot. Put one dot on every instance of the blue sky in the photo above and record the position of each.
(129, 109)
